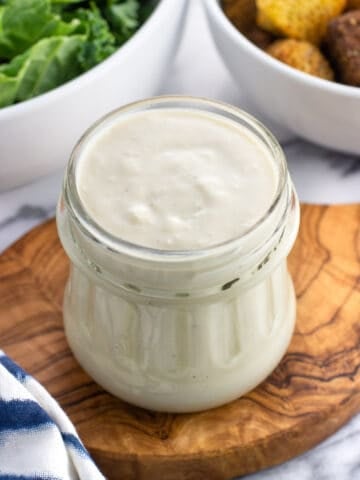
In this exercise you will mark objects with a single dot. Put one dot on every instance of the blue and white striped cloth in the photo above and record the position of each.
(37, 439)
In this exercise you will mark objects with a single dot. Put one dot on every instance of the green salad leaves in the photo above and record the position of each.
(45, 43)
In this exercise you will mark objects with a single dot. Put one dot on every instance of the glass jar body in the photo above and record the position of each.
(185, 350)
(181, 331)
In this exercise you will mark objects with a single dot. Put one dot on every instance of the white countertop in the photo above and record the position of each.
(320, 176)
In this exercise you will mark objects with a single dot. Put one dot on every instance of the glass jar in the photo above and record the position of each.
(180, 331)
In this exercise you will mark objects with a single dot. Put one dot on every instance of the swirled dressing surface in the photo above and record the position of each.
(175, 179)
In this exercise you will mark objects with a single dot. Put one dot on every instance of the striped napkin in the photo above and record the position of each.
(37, 439)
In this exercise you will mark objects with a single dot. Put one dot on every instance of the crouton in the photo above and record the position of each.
(298, 19)
(301, 55)
(352, 4)
(242, 13)
(343, 45)
(259, 37)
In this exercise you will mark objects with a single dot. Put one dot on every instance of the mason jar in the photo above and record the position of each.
(188, 330)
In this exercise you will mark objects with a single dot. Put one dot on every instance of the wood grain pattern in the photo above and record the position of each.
(315, 389)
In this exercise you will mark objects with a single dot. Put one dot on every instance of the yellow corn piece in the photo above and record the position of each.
(299, 19)
(301, 55)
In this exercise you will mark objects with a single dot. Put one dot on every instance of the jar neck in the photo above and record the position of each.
(239, 265)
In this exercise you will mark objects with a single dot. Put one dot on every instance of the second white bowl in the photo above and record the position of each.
(321, 111)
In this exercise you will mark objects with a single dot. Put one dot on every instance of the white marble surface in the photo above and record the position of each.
(320, 176)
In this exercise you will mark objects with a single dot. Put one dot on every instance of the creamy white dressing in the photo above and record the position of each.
(175, 179)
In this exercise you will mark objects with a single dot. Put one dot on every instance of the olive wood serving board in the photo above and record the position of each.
(314, 390)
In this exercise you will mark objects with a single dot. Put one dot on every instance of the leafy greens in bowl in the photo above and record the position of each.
(38, 135)
(45, 43)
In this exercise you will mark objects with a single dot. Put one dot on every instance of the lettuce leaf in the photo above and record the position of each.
(100, 42)
(48, 64)
(59, 6)
(8, 86)
(66, 2)
(24, 22)
(123, 17)
(45, 43)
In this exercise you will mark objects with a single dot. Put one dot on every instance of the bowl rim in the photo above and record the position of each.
(214, 9)
(151, 23)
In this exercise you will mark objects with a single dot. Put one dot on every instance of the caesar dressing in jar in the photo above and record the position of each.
(178, 214)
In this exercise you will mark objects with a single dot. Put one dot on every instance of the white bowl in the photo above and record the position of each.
(37, 136)
(321, 111)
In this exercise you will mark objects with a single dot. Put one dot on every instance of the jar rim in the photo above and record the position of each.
(116, 244)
